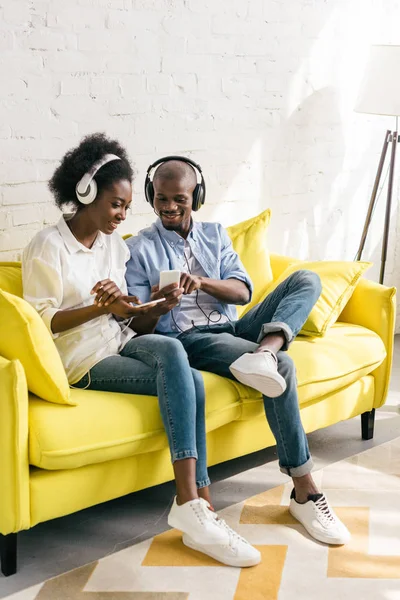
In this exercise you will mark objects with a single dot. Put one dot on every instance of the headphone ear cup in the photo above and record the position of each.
(149, 193)
(196, 197)
(90, 194)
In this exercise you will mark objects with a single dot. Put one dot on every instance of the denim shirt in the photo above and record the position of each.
(156, 249)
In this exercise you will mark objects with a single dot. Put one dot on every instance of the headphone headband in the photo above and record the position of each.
(188, 161)
(199, 192)
(86, 188)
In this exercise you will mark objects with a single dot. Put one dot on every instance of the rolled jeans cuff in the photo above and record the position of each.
(203, 483)
(183, 454)
(304, 469)
(277, 327)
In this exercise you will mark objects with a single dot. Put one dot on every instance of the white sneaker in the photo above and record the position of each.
(260, 371)
(205, 532)
(319, 519)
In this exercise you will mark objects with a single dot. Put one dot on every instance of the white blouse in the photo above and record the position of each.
(58, 273)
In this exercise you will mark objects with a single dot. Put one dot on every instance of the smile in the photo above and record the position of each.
(113, 225)
(171, 217)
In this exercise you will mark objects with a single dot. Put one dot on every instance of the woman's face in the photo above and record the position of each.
(109, 208)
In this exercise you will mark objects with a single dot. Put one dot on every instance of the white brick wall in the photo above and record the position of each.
(260, 92)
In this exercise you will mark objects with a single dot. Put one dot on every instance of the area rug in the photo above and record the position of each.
(365, 491)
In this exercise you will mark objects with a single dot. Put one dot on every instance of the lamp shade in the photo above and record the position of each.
(380, 88)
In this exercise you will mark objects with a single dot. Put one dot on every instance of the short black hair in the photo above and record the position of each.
(79, 160)
(176, 169)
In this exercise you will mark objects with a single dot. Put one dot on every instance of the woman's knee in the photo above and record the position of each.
(171, 349)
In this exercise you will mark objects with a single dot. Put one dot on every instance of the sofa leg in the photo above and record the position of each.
(8, 544)
(367, 425)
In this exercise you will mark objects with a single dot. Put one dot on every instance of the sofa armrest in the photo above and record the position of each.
(279, 263)
(374, 306)
(14, 462)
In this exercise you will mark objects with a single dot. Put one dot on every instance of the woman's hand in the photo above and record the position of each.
(110, 297)
(122, 307)
(106, 292)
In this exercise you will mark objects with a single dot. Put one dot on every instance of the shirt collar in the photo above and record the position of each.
(70, 240)
(172, 236)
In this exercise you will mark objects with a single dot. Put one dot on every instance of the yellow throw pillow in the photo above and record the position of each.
(24, 336)
(338, 279)
(249, 239)
(11, 278)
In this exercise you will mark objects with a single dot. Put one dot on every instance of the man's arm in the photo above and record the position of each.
(229, 291)
(234, 286)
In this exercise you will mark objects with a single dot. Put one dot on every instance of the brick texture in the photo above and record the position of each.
(260, 92)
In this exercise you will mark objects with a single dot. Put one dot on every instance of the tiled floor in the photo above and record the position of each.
(63, 544)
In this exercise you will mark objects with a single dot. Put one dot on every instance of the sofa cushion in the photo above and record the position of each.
(325, 364)
(338, 278)
(25, 337)
(106, 426)
(249, 239)
(11, 278)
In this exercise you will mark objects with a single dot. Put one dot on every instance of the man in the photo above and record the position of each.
(252, 349)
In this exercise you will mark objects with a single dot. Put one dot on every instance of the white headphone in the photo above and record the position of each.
(86, 188)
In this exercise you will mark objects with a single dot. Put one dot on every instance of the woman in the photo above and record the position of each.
(74, 276)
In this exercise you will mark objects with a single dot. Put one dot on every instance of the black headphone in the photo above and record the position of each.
(199, 192)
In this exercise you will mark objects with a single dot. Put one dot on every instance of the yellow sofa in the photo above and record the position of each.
(57, 459)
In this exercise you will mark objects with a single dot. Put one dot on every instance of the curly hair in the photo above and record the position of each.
(79, 160)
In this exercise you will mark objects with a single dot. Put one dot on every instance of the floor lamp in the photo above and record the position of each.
(380, 95)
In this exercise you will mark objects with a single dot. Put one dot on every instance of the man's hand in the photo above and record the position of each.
(106, 292)
(172, 294)
(190, 283)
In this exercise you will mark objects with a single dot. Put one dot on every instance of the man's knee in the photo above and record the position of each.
(309, 280)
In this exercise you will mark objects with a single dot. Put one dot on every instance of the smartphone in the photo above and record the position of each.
(169, 277)
(148, 303)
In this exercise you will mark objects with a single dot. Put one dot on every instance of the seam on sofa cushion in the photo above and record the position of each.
(327, 323)
(118, 443)
(365, 366)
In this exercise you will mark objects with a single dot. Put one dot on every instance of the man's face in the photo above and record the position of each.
(173, 202)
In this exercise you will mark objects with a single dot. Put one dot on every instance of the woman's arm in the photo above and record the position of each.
(68, 319)
(121, 307)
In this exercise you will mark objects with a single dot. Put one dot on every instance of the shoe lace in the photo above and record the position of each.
(234, 537)
(204, 513)
(325, 515)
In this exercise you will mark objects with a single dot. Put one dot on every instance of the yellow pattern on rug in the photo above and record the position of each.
(365, 491)
(264, 580)
(354, 560)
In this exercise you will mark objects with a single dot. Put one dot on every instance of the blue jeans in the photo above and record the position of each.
(215, 347)
(154, 365)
